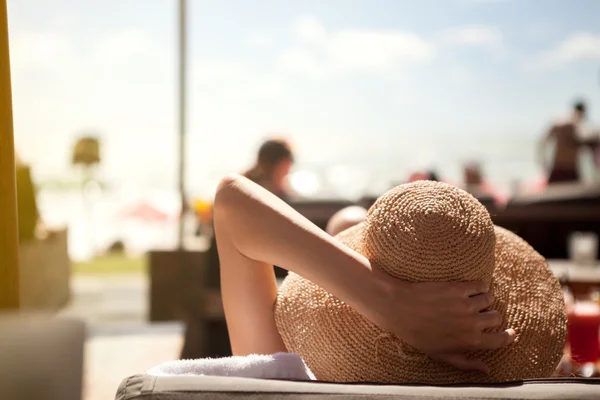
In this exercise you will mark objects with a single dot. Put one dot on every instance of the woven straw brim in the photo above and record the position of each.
(340, 345)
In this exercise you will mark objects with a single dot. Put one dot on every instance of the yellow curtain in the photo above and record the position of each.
(27, 211)
(9, 239)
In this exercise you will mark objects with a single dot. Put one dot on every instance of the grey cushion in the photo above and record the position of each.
(146, 387)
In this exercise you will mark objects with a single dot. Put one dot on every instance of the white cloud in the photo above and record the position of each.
(110, 85)
(227, 81)
(319, 52)
(473, 35)
(54, 52)
(260, 41)
(302, 61)
(266, 86)
(309, 29)
(210, 71)
(374, 50)
(31, 50)
(124, 43)
(577, 47)
(65, 18)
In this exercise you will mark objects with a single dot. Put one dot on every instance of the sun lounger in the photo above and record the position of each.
(145, 387)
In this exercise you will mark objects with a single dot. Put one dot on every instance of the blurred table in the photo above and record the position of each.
(580, 279)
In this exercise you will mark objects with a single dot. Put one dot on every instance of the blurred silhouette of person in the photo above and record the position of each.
(567, 137)
(475, 184)
(273, 164)
(433, 176)
(345, 218)
(427, 175)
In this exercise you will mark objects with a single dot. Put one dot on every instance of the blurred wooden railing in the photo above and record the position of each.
(9, 241)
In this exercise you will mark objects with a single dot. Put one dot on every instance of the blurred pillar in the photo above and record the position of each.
(9, 239)
(182, 116)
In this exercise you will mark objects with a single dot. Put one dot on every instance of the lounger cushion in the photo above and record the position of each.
(145, 387)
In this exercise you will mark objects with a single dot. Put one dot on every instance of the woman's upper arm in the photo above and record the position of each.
(248, 286)
(226, 190)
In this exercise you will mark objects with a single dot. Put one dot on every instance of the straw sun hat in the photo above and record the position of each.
(428, 231)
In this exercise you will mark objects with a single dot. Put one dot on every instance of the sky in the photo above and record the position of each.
(344, 79)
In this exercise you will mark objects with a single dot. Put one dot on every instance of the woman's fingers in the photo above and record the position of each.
(481, 302)
(489, 319)
(472, 288)
(447, 318)
(495, 340)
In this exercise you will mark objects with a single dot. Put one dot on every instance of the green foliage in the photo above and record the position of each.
(112, 264)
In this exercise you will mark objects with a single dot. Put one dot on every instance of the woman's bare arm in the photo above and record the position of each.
(256, 230)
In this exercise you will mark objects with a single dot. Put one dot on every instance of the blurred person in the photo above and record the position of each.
(272, 167)
(475, 184)
(535, 185)
(345, 218)
(270, 170)
(427, 175)
(568, 141)
(473, 178)
(433, 175)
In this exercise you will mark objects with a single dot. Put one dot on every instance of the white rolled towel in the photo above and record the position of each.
(288, 366)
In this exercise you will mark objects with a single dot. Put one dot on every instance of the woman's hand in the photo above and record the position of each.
(442, 319)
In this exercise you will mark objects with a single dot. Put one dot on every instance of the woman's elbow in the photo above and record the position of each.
(227, 191)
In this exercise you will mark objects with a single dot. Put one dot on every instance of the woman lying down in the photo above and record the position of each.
(424, 290)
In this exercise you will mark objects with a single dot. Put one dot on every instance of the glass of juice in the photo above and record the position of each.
(584, 328)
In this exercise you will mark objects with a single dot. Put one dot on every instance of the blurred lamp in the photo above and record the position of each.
(86, 151)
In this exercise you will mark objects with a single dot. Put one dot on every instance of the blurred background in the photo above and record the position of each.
(494, 96)
(368, 92)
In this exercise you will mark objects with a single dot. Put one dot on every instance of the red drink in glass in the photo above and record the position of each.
(584, 328)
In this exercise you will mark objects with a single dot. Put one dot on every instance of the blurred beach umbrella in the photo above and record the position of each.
(86, 151)
(143, 226)
(144, 211)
